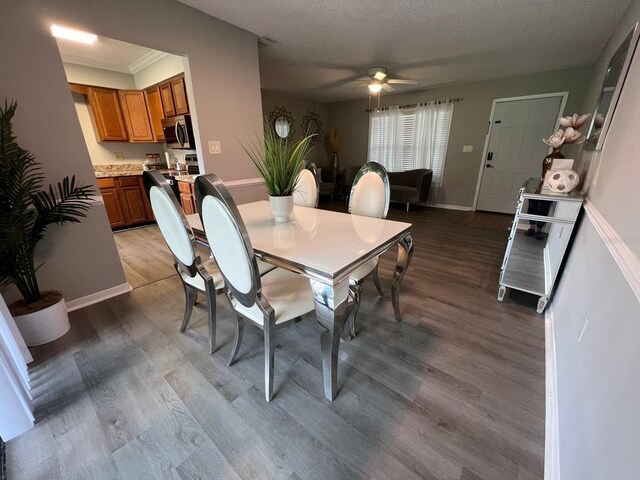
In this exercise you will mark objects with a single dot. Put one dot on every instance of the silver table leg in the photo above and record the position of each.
(331, 304)
(405, 251)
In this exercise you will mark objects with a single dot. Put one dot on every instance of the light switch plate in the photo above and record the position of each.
(467, 148)
(214, 147)
(119, 155)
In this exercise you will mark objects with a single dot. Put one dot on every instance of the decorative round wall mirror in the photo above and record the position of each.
(312, 125)
(282, 127)
(282, 122)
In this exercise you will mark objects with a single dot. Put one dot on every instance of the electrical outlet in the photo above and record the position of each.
(119, 155)
(467, 148)
(214, 147)
(584, 326)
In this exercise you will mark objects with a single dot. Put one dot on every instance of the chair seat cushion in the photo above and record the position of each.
(401, 193)
(197, 282)
(288, 293)
(363, 271)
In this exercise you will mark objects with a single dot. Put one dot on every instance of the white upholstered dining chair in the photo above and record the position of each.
(196, 276)
(369, 197)
(272, 301)
(307, 191)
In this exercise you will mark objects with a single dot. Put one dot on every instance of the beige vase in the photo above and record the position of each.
(45, 325)
(281, 208)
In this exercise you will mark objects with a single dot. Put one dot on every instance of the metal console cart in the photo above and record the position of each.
(531, 263)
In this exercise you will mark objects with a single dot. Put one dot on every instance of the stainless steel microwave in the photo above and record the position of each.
(178, 132)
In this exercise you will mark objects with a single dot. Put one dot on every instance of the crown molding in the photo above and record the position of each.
(146, 60)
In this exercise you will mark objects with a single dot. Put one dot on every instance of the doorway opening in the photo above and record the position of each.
(514, 149)
(130, 100)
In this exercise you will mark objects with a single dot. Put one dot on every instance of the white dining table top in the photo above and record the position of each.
(326, 245)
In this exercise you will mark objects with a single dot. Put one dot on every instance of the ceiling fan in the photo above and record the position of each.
(379, 80)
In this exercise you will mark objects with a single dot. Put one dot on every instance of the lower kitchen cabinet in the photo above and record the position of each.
(187, 197)
(125, 200)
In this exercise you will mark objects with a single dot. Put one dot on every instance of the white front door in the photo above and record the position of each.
(516, 150)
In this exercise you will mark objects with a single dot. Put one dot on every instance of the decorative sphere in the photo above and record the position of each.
(563, 181)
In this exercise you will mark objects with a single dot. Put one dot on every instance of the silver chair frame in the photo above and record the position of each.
(356, 290)
(212, 185)
(154, 178)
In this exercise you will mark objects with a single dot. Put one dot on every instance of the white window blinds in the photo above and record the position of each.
(406, 139)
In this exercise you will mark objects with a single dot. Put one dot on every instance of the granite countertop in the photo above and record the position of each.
(132, 169)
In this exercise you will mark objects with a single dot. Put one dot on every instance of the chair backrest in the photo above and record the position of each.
(171, 220)
(228, 239)
(370, 192)
(307, 190)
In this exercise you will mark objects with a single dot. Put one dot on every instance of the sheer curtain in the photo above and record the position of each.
(407, 138)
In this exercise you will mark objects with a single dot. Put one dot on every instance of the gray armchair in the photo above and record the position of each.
(410, 187)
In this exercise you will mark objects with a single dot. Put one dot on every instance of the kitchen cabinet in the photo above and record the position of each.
(106, 115)
(187, 197)
(156, 113)
(167, 100)
(173, 93)
(136, 115)
(179, 92)
(125, 200)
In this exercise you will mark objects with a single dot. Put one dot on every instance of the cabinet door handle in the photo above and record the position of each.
(488, 165)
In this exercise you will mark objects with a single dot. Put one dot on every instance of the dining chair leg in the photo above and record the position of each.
(211, 311)
(269, 357)
(189, 299)
(376, 281)
(237, 341)
(356, 290)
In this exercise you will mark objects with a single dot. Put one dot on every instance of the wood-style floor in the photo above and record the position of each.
(454, 391)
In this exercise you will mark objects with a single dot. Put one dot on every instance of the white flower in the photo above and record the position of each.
(572, 136)
(556, 140)
(575, 121)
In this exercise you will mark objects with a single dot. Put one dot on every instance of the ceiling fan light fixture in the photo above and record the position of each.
(375, 87)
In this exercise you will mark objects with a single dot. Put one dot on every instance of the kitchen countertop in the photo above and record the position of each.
(132, 170)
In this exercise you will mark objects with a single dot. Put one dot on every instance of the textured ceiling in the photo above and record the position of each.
(323, 44)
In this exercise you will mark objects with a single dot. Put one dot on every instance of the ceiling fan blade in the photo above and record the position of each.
(359, 86)
(400, 81)
(388, 88)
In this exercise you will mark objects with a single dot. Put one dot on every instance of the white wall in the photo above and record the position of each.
(223, 84)
(164, 68)
(98, 77)
(598, 377)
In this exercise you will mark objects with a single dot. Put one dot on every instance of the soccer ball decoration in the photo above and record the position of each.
(563, 181)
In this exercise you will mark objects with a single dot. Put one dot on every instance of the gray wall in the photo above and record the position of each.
(223, 87)
(469, 125)
(299, 108)
(598, 376)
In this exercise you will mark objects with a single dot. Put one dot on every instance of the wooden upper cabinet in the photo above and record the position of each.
(107, 115)
(156, 114)
(179, 96)
(136, 116)
(167, 100)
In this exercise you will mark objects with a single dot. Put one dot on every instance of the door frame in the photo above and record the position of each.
(563, 104)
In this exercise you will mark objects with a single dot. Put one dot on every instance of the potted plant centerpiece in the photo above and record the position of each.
(25, 212)
(278, 162)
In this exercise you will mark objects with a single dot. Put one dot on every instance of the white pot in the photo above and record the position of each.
(281, 208)
(45, 325)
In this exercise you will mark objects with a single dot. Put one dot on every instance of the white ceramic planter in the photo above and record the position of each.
(281, 208)
(45, 325)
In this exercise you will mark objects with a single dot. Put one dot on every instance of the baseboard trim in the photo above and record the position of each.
(452, 207)
(551, 437)
(98, 297)
(627, 259)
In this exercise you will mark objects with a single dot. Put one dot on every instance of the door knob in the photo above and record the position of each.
(488, 165)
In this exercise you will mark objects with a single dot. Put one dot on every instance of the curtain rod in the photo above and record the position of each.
(414, 105)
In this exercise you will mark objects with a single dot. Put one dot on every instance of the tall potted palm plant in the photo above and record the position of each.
(279, 161)
(26, 210)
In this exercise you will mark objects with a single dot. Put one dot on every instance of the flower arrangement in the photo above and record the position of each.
(571, 135)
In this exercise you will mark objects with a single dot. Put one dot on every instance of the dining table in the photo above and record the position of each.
(326, 247)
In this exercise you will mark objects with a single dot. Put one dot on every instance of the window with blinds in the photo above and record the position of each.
(406, 139)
